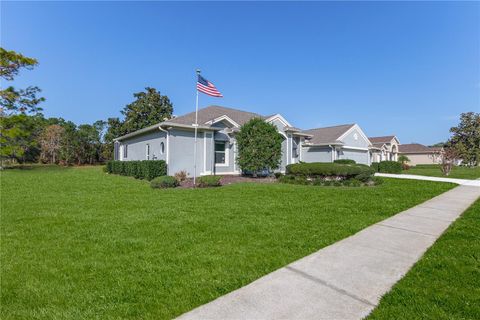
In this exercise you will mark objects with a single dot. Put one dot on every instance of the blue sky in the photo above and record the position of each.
(405, 68)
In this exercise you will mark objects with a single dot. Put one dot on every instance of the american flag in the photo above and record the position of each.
(205, 86)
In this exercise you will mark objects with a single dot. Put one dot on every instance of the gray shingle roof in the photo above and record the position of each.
(384, 139)
(414, 148)
(328, 135)
(213, 112)
(377, 144)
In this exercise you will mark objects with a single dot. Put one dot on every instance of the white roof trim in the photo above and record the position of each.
(222, 118)
(355, 126)
(278, 116)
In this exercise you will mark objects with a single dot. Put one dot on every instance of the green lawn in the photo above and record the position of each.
(445, 283)
(79, 244)
(434, 171)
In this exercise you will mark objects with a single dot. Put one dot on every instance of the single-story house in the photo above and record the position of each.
(173, 141)
(327, 144)
(384, 148)
(420, 154)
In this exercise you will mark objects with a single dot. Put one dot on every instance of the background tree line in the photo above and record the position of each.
(26, 136)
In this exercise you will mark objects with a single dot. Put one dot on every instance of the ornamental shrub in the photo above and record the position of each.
(147, 169)
(278, 175)
(375, 166)
(345, 161)
(390, 167)
(208, 181)
(259, 146)
(323, 170)
(164, 182)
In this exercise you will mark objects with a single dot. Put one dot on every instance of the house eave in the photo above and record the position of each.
(165, 125)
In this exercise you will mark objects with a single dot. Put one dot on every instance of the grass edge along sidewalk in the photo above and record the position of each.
(432, 170)
(444, 283)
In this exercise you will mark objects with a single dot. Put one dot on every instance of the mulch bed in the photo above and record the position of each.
(226, 180)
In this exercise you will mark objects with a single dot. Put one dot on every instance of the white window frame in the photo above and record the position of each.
(227, 154)
(125, 151)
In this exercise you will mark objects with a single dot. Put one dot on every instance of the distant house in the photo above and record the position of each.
(173, 141)
(328, 144)
(384, 148)
(420, 154)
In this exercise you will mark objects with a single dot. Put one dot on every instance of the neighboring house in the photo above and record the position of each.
(384, 148)
(420, 154)
(339, 142)
(173, 141)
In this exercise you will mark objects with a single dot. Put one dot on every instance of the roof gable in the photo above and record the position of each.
(328, 135)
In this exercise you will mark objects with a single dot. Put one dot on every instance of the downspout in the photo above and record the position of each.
(333, 152)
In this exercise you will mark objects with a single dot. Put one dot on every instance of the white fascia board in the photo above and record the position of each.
(354, 148)
(362, 134)
(278, 116)
(222, 118)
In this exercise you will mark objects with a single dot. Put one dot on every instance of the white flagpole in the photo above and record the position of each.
(195, 145)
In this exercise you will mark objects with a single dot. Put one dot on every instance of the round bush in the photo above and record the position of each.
(208, 181)
(164, 182)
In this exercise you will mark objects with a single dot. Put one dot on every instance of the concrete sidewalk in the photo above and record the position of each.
(347, 279)
(462, 182)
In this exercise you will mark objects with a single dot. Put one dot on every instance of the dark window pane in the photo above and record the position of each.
(219, 146)
(219, 157)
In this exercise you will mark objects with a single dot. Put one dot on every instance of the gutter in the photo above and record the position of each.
(163, 124)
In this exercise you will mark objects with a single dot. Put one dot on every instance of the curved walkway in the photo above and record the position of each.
(463, 182)
(347, 279)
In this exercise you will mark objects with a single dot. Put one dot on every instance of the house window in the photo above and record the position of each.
(147, 151)
(162, 148)
(125, 150)
(220, 152)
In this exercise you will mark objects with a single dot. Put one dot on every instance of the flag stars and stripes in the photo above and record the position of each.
(205, 86)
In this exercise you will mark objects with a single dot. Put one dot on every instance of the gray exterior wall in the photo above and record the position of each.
(360, 156)
(350, 141)
(317, 154)
(181, 150)
(136, 149)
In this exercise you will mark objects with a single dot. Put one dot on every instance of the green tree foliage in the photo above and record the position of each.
(259, 146)
(149, 108)
(403, 159)
(114, 130)
(17, 130)
(14, 101)
(466, 138)
(88, 143)
(17, 137)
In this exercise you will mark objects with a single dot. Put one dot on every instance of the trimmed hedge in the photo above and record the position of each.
(146, 169)
(164, 182)
(389, 167)
(344, 161)
(322, 170)
(208, 181)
